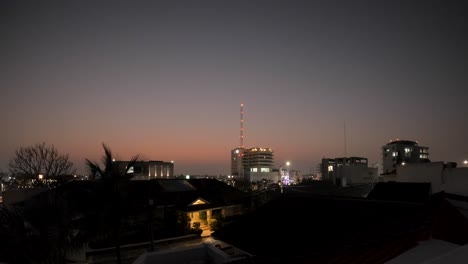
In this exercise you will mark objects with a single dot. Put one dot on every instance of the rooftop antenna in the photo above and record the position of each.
(242, 125)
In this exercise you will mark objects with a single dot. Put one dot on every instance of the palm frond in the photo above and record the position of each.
(108, 159)
(94, 168)
(131, 163)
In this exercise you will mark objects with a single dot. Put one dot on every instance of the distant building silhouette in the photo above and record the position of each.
(253, 164)
(400, 152)
(147, 170)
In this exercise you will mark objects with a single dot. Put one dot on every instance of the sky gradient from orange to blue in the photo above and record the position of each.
(165, 79)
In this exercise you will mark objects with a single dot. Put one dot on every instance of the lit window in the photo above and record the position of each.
(407, 150)
(330, 168)
(264, 169)
(253, 169)
(395, 154)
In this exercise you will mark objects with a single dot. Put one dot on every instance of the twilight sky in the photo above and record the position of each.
(165, 79)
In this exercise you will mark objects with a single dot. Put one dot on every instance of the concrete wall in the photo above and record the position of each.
(421, 172)
(204, 253)
(184, 255)
(451, 180)
(455, 180)
(351, 175)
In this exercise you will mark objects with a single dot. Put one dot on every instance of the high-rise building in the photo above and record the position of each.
(254, 164)
(237, 168)
(400, 152)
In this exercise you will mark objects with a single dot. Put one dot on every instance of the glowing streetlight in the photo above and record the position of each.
(40, 176)
(284, 173)
(465, 162)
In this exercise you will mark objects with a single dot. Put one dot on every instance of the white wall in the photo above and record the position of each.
(450, 180)
(355, 175)
(421, 172)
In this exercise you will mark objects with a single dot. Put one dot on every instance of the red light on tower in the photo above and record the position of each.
(241, 126)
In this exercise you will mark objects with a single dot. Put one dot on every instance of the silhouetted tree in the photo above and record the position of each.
(115, 179)
(31, 161)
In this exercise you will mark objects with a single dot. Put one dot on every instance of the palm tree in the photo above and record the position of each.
(114, 179)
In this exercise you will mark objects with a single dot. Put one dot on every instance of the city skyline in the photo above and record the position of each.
(164, 79)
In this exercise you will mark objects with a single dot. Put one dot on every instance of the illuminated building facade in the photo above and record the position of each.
(237, 168)
(254, 164)
(147, 170)
(400, 152)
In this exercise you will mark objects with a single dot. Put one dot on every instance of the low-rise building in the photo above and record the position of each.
(348, 171)
(148, 170)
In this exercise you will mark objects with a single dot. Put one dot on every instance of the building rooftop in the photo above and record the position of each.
(403, 142)
(209, 251)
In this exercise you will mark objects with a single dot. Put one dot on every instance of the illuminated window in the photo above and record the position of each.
(264, 169)
(330, 168)
(253, 169)
(395, 154)
(131, 170)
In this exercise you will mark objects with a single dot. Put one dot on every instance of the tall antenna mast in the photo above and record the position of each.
(345, 154)
(242, 125)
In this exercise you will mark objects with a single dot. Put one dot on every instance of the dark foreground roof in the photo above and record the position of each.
(306, 229)
(418, 192)
(181, 193)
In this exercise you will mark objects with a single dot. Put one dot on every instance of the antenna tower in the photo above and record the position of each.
(242, 125)
(345, 139)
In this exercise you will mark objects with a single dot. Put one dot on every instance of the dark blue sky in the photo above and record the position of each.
(165, 78)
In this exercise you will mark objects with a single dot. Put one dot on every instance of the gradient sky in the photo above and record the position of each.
(165, 79)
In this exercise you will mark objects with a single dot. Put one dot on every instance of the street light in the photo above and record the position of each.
(465, 162)
(284, 173)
